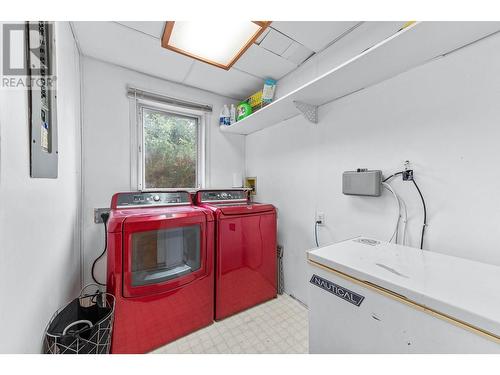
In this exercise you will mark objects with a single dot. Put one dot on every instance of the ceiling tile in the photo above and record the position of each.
(232, 83)
(276, 42)
(153, 28)
(313, 34)
(297, 53)
(136, 45)
(119, 45)
(263, 35)
(260, 62)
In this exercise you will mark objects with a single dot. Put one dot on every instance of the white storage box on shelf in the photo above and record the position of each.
(408, 48)
(368, 296)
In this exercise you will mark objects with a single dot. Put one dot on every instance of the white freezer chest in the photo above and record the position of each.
(367, 296)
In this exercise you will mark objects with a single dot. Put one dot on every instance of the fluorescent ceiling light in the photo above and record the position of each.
(216, 43)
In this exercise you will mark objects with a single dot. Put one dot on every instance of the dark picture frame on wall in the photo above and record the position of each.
(42, 98)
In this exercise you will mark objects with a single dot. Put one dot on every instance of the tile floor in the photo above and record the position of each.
(277, 326)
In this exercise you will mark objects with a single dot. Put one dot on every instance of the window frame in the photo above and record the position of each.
(201, 142)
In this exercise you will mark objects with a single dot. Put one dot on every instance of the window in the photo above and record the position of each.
(170, 151)
(165, 254)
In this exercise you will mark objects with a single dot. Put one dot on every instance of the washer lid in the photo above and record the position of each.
(244, 208)
(465, 290)
(173, 217)
(118, 217)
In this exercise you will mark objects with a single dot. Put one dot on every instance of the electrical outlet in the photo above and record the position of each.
(408, 175)
(97, 214)
(407, 172)
(320, 218)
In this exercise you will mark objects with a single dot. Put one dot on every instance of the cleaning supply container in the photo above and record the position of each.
(268, 91)
(243, 110)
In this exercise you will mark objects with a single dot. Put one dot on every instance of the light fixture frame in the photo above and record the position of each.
(167, 32)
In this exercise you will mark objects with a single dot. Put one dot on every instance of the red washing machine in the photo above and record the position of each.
(160, 268)
(245, 257)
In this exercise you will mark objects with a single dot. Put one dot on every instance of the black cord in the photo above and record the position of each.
(425, 215)
(104, 217)
(392, 176)
(316, 233)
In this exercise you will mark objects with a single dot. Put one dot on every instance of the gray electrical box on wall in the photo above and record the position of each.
(362, 182)
(41, 70)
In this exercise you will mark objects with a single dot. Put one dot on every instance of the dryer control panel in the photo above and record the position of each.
(224, 195)
(148, 199)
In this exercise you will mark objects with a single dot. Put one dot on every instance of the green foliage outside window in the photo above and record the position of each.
(170, 148)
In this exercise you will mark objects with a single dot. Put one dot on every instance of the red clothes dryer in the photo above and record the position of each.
(159, 268)
(245, 257)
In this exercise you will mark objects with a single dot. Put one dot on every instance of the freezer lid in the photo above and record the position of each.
(463, 289)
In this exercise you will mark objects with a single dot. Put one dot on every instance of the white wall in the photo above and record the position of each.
(107, 139)
(39, 226)
(443, 116)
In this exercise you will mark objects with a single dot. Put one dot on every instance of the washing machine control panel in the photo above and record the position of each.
(224, 195)
(153, 199)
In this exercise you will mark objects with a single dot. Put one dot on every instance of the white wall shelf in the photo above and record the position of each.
(406, 49)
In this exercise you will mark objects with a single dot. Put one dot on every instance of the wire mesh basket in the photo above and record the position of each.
(83, 326)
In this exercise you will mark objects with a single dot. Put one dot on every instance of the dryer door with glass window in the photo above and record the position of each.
(163, 252)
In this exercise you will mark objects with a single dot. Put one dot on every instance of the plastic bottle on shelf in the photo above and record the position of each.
(227, 115)
(224, 118)
(232, 111)
(221, 116)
